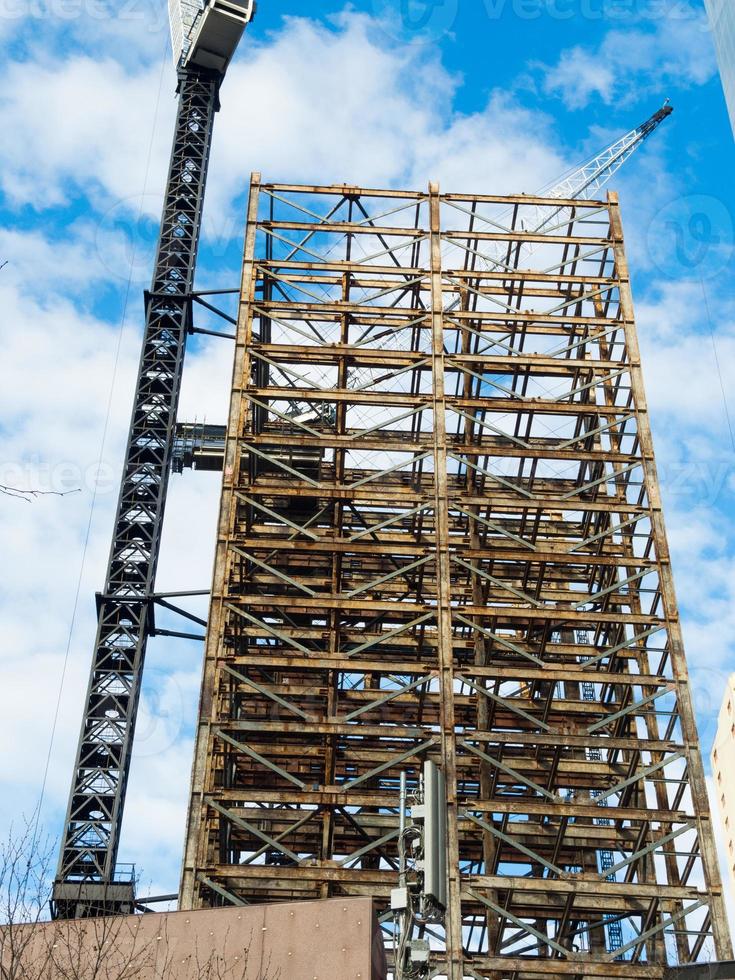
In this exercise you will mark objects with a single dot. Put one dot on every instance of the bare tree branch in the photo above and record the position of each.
(25, 875)
(109, 948)
(27, 496)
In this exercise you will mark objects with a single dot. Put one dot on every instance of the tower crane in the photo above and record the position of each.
(205, 36)
(88, 883)
(582, 183)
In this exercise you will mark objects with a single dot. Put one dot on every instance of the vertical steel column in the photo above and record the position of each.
(695, 769)
(455, 969)
(203, 762)
(86, 881)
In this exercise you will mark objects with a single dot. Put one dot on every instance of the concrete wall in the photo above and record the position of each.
(330, 940)
(722, 22)
(723, 771)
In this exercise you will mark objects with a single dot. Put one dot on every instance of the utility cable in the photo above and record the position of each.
(717, 363)
(103, 444)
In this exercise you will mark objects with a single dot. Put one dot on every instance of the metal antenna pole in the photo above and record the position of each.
(421, 897)
(402, 833)
(87, 881)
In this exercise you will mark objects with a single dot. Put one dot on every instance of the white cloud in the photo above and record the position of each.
(578, 76)
(368, 135)
(56, 376)
(674, 50)
(394, 123)
(84, 125)
(133, 29)
(686, 366)
(696, 464)
(72, 266)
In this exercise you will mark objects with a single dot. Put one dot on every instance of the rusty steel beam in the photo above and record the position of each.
(441, 537)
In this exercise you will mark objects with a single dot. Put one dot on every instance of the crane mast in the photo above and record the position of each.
(88, 882)
(585, 181)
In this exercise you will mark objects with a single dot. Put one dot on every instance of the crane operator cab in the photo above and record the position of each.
(205, 33)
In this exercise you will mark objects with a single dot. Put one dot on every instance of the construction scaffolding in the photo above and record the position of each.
(441, 537)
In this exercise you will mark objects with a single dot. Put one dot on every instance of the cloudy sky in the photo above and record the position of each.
(487, 95)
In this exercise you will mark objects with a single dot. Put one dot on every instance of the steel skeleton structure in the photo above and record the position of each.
(462, 559)
(200, 446)
(87, 882)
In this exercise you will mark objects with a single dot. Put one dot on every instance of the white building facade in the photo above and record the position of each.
(722, 21)
(723, 771)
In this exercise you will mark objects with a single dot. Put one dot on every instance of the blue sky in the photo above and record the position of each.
(488, 95)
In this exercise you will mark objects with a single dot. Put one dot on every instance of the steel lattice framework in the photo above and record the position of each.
(441, 535)
(87, 882)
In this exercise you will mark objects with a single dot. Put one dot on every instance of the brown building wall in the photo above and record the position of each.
(329, 940)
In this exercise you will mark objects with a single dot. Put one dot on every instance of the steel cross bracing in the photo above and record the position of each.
(614, 927)
(584, 182)
(87, 882)
(195, 448)
(468, 563)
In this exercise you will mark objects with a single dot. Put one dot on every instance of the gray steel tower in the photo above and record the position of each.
(87, 883)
